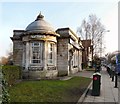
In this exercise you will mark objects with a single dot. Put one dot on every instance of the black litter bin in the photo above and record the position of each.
(96, 84)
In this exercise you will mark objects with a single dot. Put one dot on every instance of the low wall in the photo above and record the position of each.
(40, 74)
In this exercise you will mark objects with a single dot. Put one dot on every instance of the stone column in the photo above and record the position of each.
(27, 56)
(45, 51)
(62, 57)
(79, 60)
(23, 56)
(55, 55)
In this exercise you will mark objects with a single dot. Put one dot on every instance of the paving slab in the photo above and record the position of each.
(108, 93)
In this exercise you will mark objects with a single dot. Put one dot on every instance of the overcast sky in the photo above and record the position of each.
(18, 15)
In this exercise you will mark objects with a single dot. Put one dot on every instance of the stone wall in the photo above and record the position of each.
(17, 52)
(62, 56)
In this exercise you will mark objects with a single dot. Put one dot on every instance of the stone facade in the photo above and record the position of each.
(17, 47)
(62, 54)
(43, 52)
(69, 52)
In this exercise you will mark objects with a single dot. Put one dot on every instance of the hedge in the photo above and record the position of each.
(11, 73)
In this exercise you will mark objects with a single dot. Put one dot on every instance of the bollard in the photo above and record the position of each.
(96, 84)
(109, 71)
(113, 78)
(116, 80)
(113, 74)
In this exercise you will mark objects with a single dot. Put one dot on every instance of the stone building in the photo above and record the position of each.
(42, 51)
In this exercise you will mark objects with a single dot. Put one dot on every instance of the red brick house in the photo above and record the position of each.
(87, 53)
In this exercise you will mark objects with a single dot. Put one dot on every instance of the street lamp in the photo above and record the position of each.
(102, 40)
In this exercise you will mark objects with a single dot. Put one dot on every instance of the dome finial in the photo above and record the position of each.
(40, 16)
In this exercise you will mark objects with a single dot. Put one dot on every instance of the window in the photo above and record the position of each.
(36, 52)
(50, 53)
(75, 59)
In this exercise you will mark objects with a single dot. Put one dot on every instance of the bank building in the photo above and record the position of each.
(44, 52)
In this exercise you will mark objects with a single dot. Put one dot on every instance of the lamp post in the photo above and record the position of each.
(102, 41)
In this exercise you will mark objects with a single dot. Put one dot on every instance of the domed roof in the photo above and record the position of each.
(40, 25)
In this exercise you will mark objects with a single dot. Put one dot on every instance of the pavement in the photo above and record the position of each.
(84, 73)
(108, 94)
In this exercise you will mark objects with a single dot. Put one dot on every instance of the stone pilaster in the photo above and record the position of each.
(27, 56)
(17, 52)
(45, 51)
(79, 63)
(23, 56)
(62, 57)
(55, 55)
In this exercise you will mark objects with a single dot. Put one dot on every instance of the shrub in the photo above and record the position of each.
(5, 94)
(11, 73)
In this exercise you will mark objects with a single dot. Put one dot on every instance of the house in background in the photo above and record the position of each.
(42, 51)
(87, 54)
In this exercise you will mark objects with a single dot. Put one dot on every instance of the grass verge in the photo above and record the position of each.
(49, 90)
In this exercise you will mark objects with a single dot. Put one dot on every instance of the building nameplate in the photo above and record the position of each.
(43, 37)
(38, 36)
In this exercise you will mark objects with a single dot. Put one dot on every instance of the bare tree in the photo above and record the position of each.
(4, 60)
(7, 59)
(94, 30)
